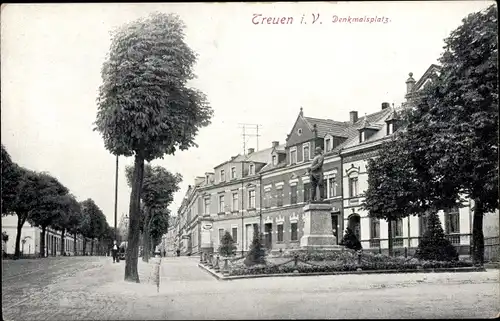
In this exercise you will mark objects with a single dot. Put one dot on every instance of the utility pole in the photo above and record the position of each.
(116, 199)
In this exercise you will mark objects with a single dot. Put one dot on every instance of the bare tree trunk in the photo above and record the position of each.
(477, 234)
(42, 241)
(20, 222)
(63, 248)
(92, 247)
(84, 251)
(389, 230)
(145, 236)
(131, 273)
(74, 244)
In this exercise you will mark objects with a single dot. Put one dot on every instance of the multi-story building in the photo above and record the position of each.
(267, 190)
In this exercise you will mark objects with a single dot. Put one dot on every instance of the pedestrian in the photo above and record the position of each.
(164, 253)
(114, 250)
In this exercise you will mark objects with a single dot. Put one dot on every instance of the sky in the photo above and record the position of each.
(52, 54)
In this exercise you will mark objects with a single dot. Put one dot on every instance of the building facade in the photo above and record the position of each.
(267, 190)
(31, 240)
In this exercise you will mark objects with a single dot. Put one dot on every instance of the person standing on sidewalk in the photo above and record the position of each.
(114, 250)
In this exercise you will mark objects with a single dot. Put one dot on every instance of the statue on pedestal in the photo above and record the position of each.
(316, 175)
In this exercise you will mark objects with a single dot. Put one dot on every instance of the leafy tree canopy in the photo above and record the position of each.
(158, 187)
(144, 104)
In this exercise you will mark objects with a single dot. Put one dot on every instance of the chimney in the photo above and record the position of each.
(385, 105)
(276, 144)
(251, 150)
(353, 116)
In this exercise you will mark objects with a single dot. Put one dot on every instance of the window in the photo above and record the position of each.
(293, 156)
(251, 169)
(452, 220)
(328, 144)
(390, 128)
(397, 228)
(293, 194)
(206, 206)
(362, 136)
(235, 202)
(207, 179)
(374, 228)
(306, 153)
(267, 198)
(280, 232)
(221, 234)
(307, 191)
(299, 131)
(332, 187)
(353, 187)
(222, 176)
(235, 234)
(279, 197)
(275, 160)
(233, 172)
(294, 236)
(221, 204)
(251, 199)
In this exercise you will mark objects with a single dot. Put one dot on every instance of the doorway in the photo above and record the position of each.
(268, 227)
(355, 225)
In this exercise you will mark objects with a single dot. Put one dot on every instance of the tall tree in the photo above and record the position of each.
(11, 178)
(159, 224)
(70, 220)
(400, 184)
(145, 108)
(158, 190)
(50, 205)
(96, 222)
(459, 112)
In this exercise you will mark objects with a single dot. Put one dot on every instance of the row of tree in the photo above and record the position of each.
(447, 146)
(43, 201)
(158, 189)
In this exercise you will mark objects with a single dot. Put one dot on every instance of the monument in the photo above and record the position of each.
(317, 213)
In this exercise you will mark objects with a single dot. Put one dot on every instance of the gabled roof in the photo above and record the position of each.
(261, 156)
(365, 124)
(377, 122)
(327, 126)
(394, 115)
(433, 69)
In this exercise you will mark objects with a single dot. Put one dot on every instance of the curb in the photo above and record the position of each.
(219, 276)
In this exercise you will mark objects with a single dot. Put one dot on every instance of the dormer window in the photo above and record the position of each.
(275, 160)
(362, 136)
(233, 172)
(251, 169)
(390, 128)
(207, 179)
(222, 176)
(328, 144)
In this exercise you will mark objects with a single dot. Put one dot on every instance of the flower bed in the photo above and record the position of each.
(340, 261)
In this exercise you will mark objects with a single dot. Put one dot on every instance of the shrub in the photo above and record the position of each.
(257, 253)
(350, 240)
(433, 245)
(227, 247)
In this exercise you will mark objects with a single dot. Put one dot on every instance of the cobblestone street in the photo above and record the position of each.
(92, 288)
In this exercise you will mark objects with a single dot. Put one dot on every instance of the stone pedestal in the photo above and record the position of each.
(318, 228)
(206, 245)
